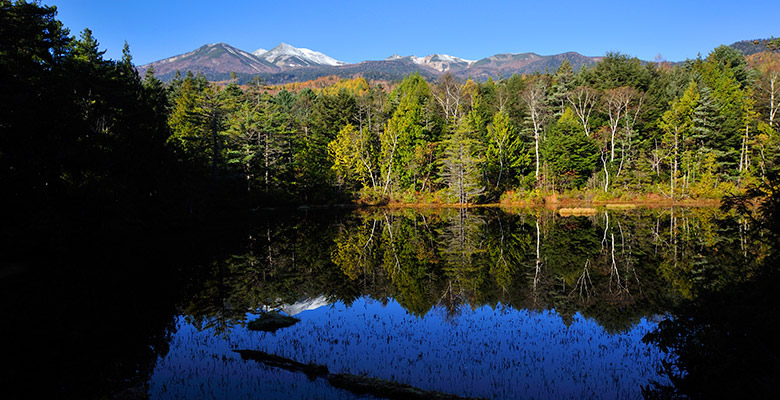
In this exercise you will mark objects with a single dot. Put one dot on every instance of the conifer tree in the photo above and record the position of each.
(563, 84)
(405, 156)
(461, 163)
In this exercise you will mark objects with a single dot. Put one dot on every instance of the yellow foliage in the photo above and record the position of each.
(355, 86)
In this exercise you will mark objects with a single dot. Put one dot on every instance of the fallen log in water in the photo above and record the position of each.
(354, 383)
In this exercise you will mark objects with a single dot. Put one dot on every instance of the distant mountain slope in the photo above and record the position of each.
(389, 70)
(438, 62)
(749, 47)
(505, 65)
(285, 63)
(211, 60)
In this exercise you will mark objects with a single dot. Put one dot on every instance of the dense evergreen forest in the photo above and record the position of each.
(623, 128)
(86, 136)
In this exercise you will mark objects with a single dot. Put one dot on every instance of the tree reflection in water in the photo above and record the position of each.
(723, 340)
(616, 268)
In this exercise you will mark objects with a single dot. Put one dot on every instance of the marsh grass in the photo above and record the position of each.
(577, 211)
(620, 206)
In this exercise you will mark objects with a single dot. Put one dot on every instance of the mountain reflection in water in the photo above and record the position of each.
(481, 302)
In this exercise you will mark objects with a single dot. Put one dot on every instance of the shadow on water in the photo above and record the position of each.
(87, 315)
(85, 324)
(724, 342)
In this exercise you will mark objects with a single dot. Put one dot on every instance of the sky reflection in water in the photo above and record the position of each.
(486, 352)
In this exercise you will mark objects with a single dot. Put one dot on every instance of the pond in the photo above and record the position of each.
(474, 303)
(477, 303)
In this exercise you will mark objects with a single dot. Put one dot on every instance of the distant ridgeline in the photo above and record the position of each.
(750, 47)
(286, 64)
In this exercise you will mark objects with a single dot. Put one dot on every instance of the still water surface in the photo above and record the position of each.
(491, 353)
(482, 303)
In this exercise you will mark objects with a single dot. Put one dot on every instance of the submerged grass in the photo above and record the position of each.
(357, 384)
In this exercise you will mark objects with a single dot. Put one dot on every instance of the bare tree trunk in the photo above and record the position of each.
(617, 103)
(247, 173)
(538, 255)
(606, 171)
(392, 243)
(449, 94)
(390, 163)
(534, 99)
(500, 167)
(536, 150)
(582, 101)
(364, 156)
(747, 144)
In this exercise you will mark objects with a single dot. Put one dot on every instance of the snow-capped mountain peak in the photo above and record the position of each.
(439, 62)
(449, 58)
(259, 52)
(285, 55)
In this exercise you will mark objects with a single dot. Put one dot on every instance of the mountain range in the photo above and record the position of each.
(285, 63)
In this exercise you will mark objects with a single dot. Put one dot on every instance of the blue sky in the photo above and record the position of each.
(353, 31)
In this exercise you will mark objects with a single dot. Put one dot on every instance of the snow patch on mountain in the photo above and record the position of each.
(286, 54)
(449, 58)
(305, 305)
(439, 62)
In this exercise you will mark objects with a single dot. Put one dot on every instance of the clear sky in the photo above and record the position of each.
(354, 31)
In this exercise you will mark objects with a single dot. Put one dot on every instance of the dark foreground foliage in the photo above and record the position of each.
(724, 342)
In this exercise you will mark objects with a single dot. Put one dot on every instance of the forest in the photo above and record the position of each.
(624, 128)
(84, 135)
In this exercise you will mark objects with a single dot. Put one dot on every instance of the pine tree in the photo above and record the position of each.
(460, 164)
(244, 127)
(570, 155)
(563, 84)
(704, 123)
(406, 158)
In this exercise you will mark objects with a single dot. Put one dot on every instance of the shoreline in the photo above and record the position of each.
(556, 205)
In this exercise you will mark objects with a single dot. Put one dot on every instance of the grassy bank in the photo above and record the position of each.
(540, 198)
